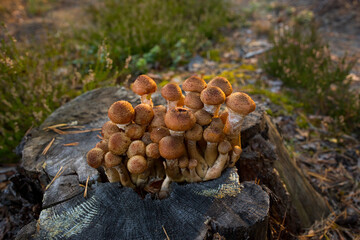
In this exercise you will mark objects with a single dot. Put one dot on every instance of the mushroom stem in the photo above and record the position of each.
(201, 166)
(112, 174)
(124, 176)
(146, 98)
(235, 156)
(122, 126)
(211, 153)
(190, 172)
(165, 188)
(218, 167)
(176, 133)
(159, 169)
(172, 170)
(212, 109)
(171, 105)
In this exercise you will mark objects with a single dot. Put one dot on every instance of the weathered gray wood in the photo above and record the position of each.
(193, 211)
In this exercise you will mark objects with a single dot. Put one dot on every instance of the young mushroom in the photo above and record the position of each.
(215, 171)
(95, 157)
(119, 143)
(137, 165)
(172, 93)
(212, 97)
(108, 129)
(143, 114)
(221, 83)
(179, 120)
(193, 101)
(134, 131)
(194, 84)
(154, 163)
(144, 86)
(239, 105)
(159, 115)
(235, 156)
(121, 113)
(112, 160)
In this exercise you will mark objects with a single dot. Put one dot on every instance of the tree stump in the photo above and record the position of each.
(193, 211)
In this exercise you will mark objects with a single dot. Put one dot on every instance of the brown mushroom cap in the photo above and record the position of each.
(137, 164)
(212, 96)
(171, 147)
(217, 122)
(194, 84)
(195, 133)
(136, 148)
(144, 85)
(134, 131)
(157, 134)
(179, 119)
(152, 150)
(213, 134)
(111, 160)
(103, 145)
(224, 147)
(108, 129)
(192, 100)
(159, 115)
(121, 112)
(143, 114)
(118, 143)
(171, 92)
(221, 83)
(203, 117)
(240, 103)
(94, 157)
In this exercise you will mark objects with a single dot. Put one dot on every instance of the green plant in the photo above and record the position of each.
(303, 62)
(175, 29)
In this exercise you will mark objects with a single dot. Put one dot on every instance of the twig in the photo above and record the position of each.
(46, 149)
(61, 170)
(167, 236)
(86, 186)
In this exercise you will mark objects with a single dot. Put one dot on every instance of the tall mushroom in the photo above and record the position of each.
(212, 97)
(144, 86)
(212, 135)
(121, 113)
(239, 105)
(172, 93)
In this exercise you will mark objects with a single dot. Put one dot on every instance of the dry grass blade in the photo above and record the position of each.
(100, 137)
(46, 149)
(55, 126)
(86, 186)
(167, 236)
(318, 176)
(58, 174)
(71, 144)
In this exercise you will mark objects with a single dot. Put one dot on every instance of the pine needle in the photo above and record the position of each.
(167, 236)
(86, 186)
(58, 174)
(46, 149)
(71, 144)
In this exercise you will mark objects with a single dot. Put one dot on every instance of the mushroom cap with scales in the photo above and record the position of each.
(171, 147)
(144, 85)
(179, 119)
(171, 92)
(121, 112)
(221, 83)
(212, 96)
(95, 157)
(194, 84)
(240, 103)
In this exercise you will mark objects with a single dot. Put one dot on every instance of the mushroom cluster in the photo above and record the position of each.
(189, 140)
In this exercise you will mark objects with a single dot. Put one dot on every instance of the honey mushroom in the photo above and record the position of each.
(212, 97)
(213, 135)
(172, 93)
(144, 86)
(137, 165)
(187, 168)
(108, 129)
(221, 83)
(154, 162)
(171, 148)
(159, 115)
(194, 84)
(121, 113)
(178, 120)
(239, 105)
(193, 101)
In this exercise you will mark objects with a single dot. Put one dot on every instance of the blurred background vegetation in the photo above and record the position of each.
(127, 38)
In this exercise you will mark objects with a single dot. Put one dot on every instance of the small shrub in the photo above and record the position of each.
(303, 62)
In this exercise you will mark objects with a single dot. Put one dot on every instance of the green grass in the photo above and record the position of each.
(38, 77)
(302, 61)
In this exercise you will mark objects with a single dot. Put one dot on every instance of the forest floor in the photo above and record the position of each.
(330, 161)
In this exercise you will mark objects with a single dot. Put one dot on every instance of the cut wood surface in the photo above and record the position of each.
(62, 167)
